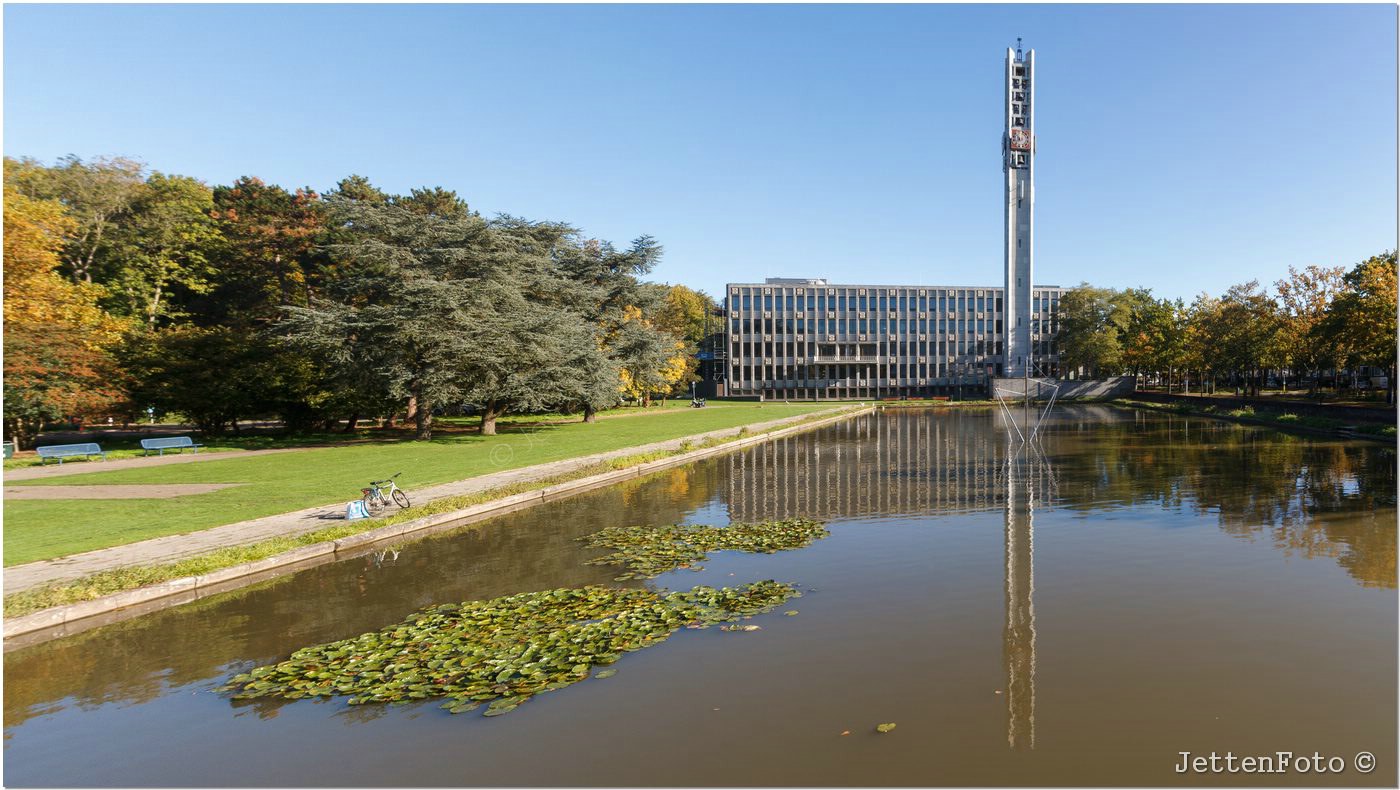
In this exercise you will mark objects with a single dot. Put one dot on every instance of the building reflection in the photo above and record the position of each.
(872, 466)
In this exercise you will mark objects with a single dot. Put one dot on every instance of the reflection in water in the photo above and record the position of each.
(1310, 498)
(897, 464)
(1023, 463)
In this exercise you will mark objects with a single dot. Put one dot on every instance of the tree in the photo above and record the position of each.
(1305, 298)
(531, 356)
(163, 245)
(1363, 316)
(651, 361)
(685, 314)
(1202, 331)
(1248, 332)
(402, 308)
(214, 375)
(606, 288)
(1092, 321)
(269, 237)
(1154, 340)
(97, 196)
(435, 202)
(57, 340)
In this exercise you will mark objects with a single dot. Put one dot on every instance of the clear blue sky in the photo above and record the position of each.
(1180, 148)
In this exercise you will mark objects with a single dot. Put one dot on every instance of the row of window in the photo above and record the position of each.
(862, 326)
(841, 303)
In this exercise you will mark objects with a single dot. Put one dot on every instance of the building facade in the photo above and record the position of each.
(1018, 165)
(813, 340)
(791, 339)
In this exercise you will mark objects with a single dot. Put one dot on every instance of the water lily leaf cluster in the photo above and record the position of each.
(647, 552)
(504, 650)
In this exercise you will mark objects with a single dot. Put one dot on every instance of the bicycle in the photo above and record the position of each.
(376, 497)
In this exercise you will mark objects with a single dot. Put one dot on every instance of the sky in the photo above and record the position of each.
(1179, 148)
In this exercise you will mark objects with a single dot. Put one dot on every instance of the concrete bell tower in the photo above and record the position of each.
(1018, 163)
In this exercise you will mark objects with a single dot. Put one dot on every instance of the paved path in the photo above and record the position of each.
(143, 491)
(174, 547)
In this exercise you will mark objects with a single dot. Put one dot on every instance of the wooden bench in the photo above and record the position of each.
(164, 443)
(61, 451)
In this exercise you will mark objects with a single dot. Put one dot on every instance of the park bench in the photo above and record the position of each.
(164, 443)
(61, 451)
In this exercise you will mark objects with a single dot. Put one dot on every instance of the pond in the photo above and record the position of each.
(1082, 611)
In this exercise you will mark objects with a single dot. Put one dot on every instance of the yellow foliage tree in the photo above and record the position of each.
(56, 337)
(651, 360)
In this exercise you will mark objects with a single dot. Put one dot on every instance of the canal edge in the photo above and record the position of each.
(60, 621)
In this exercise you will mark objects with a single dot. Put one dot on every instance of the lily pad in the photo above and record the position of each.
(884, 727)
(647, 551)
(501, 651)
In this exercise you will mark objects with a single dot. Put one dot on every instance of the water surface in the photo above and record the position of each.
(1141, 585)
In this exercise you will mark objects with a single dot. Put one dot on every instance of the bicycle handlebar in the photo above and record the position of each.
(377, 482)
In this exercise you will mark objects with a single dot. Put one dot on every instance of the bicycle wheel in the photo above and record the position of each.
(373, 500)
(400, 498)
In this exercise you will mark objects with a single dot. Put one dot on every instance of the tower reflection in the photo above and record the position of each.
(1027, 476)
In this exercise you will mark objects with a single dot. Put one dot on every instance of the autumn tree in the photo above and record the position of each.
(57, 339)
(1362, 319)
(1305, 298)
(97, 195)
(685, 314)
(652, 362)
(269, 237)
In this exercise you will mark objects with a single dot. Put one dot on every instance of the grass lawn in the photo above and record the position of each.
(43, 529)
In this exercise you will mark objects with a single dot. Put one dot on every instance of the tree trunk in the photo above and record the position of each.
(17, 432)
(590, 414)
(423, 419)
(489, 413)
(154, 309)
(350, 423)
